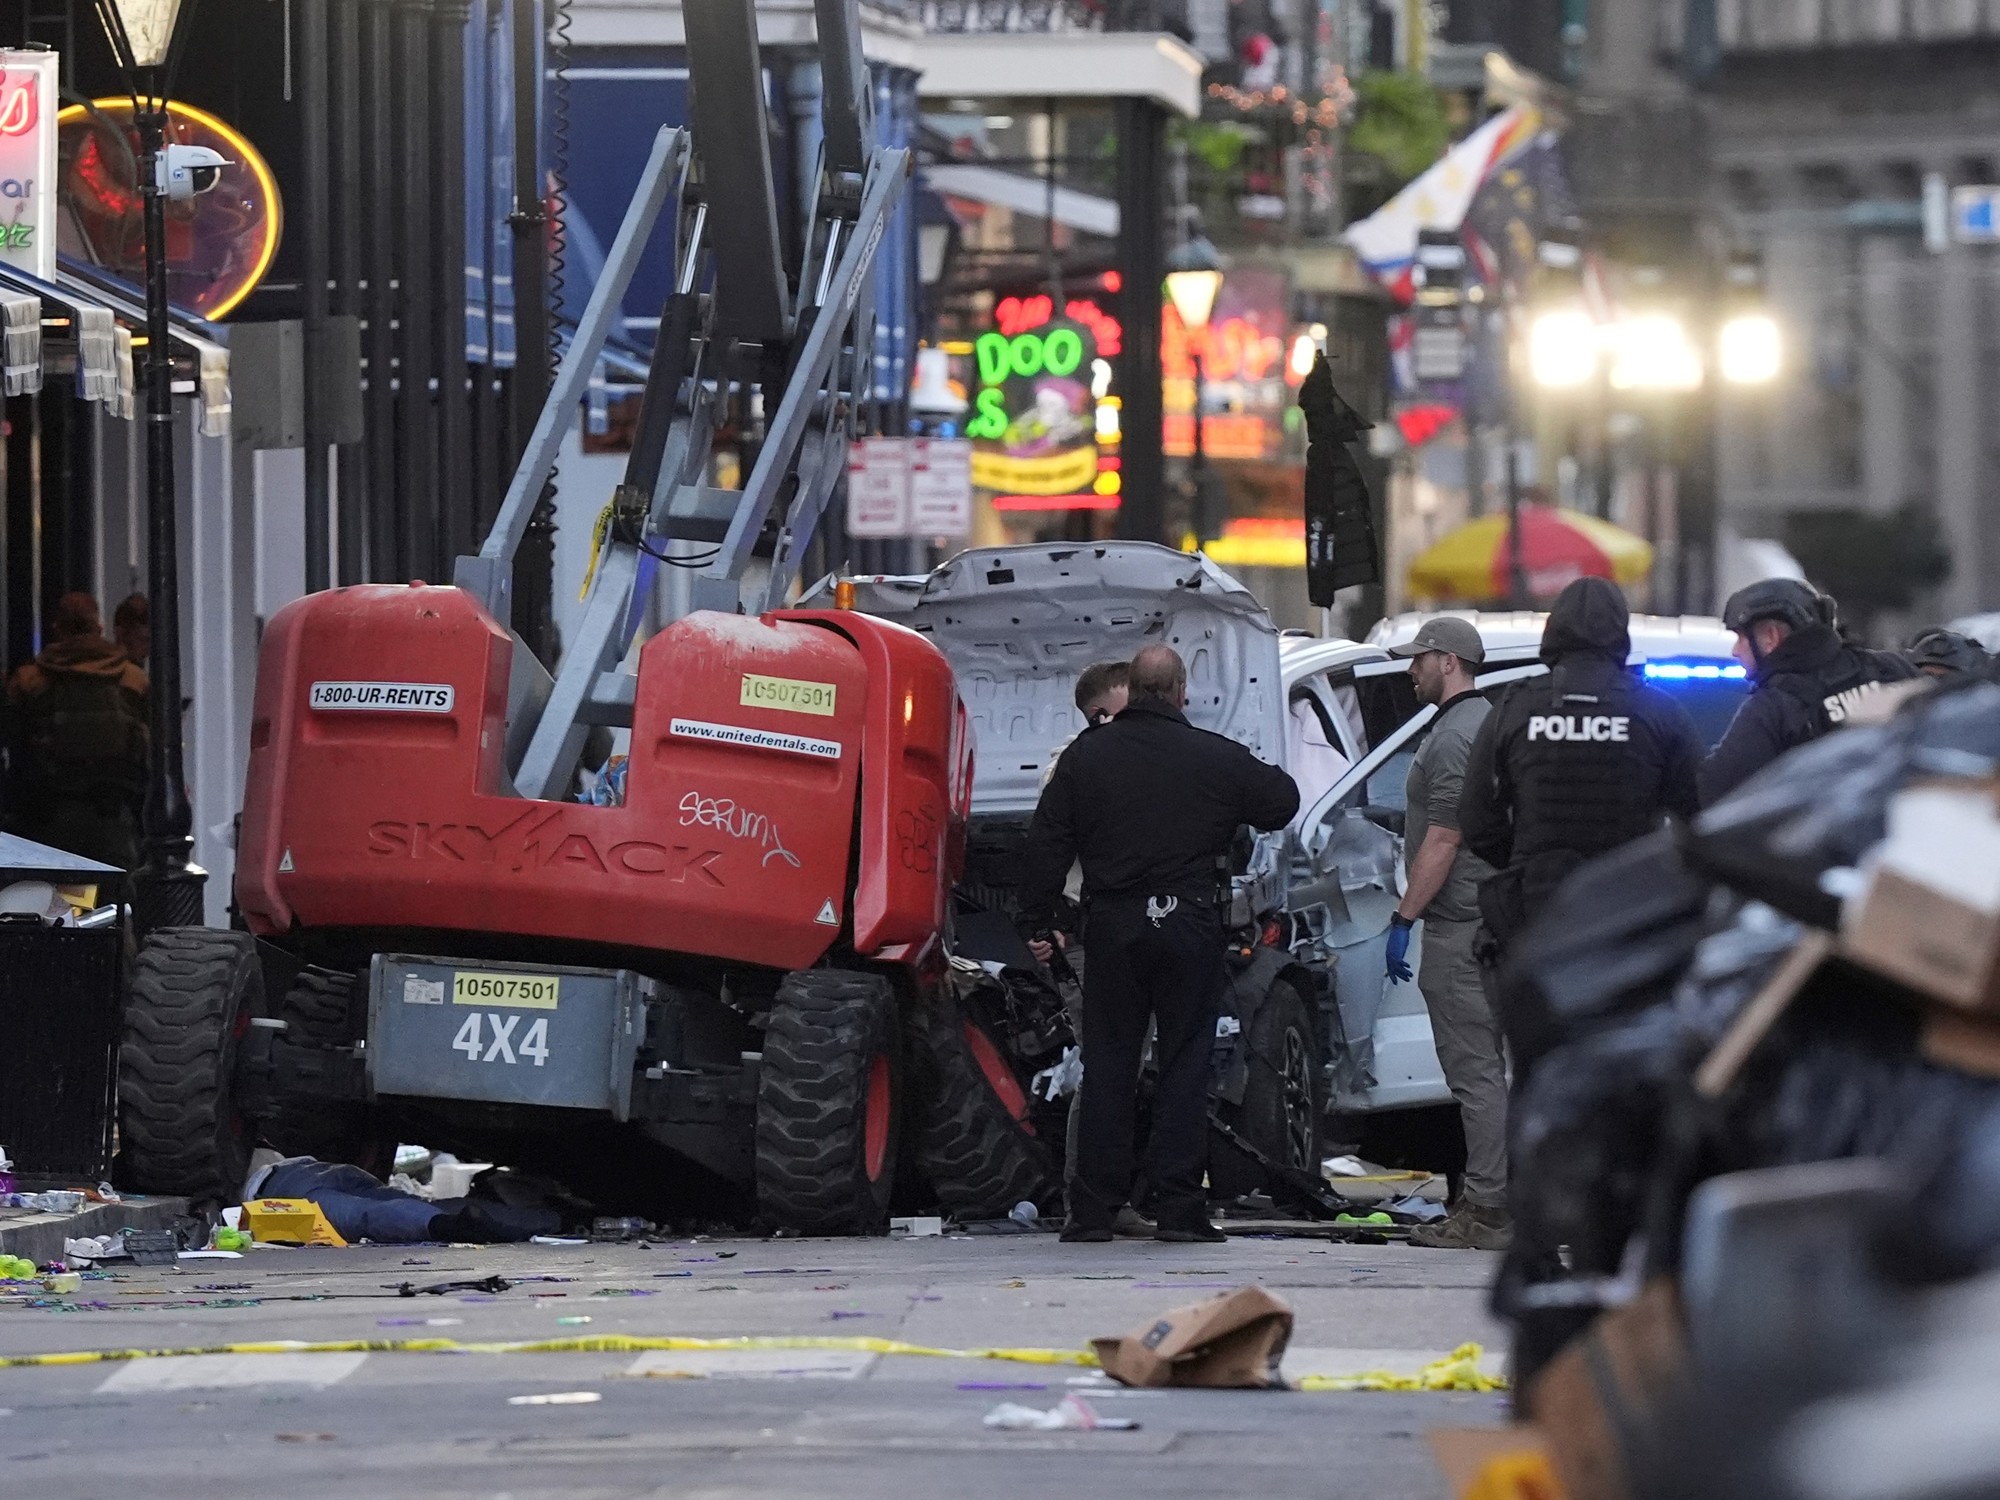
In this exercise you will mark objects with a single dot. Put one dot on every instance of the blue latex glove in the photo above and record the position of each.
(1399, 951)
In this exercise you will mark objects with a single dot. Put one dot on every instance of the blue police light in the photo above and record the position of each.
(1692, 671)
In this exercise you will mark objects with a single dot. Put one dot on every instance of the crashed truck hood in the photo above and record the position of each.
(1019, 623)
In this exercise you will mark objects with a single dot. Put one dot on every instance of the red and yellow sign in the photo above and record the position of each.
(1058, 474)
(28, 162)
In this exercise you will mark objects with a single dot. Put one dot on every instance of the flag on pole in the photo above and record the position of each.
(1386, 241)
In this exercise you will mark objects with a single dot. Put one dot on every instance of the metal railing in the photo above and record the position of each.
(1042, 16)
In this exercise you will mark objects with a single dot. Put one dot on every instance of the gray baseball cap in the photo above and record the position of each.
(1446, 633)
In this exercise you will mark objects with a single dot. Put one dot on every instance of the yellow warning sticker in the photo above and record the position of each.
(788, 693)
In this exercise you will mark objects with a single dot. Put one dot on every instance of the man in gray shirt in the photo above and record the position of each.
(1442, 891)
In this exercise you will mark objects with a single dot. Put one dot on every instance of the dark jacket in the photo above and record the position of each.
(76, 740)
(1805, 687)
(1150, 804)
(1573, 764)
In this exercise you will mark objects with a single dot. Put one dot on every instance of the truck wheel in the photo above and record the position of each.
(318, 1012)
(1283, 1101)
(194, 990)
(829, 1104)
(979, 1146)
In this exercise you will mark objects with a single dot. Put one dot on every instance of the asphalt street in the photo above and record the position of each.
(741, 1424)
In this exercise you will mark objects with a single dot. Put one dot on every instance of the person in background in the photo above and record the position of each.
(1150, 805)
(1807, 679)
(1442, 891)
(1946, 653)
(77, 741)
(132, 628)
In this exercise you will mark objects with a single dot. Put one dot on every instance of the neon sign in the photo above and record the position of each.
(1043, 412)
(218, 247)
(20, 107)
(28, 162)
(1012, 315)
(1059, 352)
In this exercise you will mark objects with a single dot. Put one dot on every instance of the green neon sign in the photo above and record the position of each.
(1056, 352)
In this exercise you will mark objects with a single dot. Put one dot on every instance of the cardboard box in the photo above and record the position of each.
(1929, 916)
(1235, 1341)
(1605, 1391)
(1922, 937)
(289, 1221)
(1969, 1043)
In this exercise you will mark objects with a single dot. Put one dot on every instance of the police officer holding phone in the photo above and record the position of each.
(1572, 765)
(1150, 805)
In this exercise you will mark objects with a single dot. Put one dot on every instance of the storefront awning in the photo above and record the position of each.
(1024, 195)
(1062, 65)
(93, 321)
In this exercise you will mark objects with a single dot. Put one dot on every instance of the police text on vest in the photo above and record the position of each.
(1614, 728)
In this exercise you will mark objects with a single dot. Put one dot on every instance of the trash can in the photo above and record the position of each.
(64, 990)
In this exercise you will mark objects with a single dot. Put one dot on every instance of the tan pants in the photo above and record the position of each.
(1470, 1051)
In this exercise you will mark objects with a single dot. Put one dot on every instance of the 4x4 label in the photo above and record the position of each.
(792, 694)
(496, 1042)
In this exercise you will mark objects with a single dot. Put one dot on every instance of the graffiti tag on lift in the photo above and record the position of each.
(723, 815)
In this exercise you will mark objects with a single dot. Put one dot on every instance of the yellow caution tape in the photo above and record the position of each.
(598, 532)
(1457, 1371)
(601, 1344)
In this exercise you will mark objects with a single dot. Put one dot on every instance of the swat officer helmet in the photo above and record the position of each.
(1789, 601)
(1942, 653)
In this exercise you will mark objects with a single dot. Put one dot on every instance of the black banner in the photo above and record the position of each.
(1341, 550)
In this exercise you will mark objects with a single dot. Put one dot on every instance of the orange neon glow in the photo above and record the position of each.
(258, 207)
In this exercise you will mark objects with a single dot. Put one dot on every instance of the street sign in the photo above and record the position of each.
(1975, 215)
(878, 488)
(940, 486)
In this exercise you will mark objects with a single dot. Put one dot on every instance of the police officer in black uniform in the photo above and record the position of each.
(1807, 678)
(1150, 805)
(1946, 653)
(1571, 765)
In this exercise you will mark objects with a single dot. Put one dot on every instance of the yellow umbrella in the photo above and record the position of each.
(1557, 547)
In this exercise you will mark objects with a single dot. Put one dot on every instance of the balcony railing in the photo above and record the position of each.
(1753, 26)
(1043, 16)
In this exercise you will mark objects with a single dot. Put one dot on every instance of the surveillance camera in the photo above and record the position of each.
(181, 172)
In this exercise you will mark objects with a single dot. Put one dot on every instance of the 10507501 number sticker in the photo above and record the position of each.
(529, 991)
(486, 1037)
(792, 694)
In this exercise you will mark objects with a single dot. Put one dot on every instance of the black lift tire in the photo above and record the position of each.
(194, 990)
(979, 1148)
(318, 1012)
(1284, 1100)
(829, 1103)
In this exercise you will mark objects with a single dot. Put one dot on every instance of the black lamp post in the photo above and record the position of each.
(167, 887)
(1194, 279)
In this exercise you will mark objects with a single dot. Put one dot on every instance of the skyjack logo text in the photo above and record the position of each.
(536, 841)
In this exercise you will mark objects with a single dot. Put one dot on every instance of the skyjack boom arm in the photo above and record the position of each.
(796, 337)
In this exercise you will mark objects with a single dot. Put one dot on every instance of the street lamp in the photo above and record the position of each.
(167, 888)
(1749, 350)
(1192, 286)
(1652, 352)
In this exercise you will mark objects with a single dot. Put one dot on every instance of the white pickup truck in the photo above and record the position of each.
(1313, 1026)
